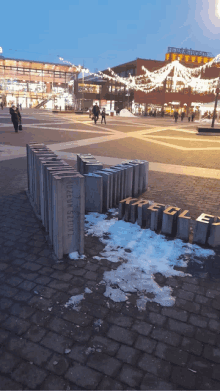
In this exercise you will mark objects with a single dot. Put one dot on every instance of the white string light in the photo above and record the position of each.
(150, 81)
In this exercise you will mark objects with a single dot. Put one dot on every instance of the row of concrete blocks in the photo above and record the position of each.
(170, 221)
(104, 188)
(86, 164)
(58, 194)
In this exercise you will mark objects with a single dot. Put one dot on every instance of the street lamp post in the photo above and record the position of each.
(216, 101)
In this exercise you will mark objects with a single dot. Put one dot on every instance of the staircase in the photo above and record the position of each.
(44, 102)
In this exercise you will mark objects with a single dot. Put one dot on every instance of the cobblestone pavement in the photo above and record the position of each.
(45, 345)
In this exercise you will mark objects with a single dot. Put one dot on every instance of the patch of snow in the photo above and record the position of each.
(151, 253)
(67, 351)
(98, 258)
(87, 290)
(76, 255)
(74, 302)
(126, 113)
(98, 322)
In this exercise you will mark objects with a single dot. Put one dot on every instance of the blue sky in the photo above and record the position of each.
(105, 33)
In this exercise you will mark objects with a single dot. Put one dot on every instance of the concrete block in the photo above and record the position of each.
(50, 162)
(68, 213)
(114, 175)
(121, 180)
(106, 189)
(93, 193)
(128, 203)
(122, 203)
(67, 173)
(92, 167)
(80, 157)
(202, 228)
(86, 161)
(129, 183)
(214, 238)
(183, 225)
(135, 181)
(143, 214)
(143, 175)
(127, 179)
(169, 221)
(156, 216)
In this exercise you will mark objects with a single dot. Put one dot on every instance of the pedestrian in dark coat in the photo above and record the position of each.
(95, 111)
(193, 116)
(182, 115)
(176, 115)
(15, 117)
(103, 116)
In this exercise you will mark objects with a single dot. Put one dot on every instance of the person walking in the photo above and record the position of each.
(193, 116)
(95, 111)
(103, 116)
(182, 115)
(15, 117)
(189, 117)
(176, 115)
(2, 105)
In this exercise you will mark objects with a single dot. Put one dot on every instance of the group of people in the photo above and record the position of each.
(191, 116)
(96, 113)
(15, 117)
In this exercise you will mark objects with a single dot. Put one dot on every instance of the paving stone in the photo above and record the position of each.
(7, 384)
(5, 303)
(16, 325)
(142, 327)
(56, 342)
(105, 364)
(14, 281)
(214, 325)
(183, 377)
(31, 266)
(198, 321)
(3, 335)
(54, 382)
(109, 384)
(35, 333)
(81, 335)
(78, 318)
(192, 346)
(202, 299)
(40, 318)
(107, 345)
(175, 313)
(216, 304)
(145, 344)
(27, 285)
(45, 291)
(121, 335)
(83, 376)
(29, 276)
(193, 288)
(120, 320)
(43, 280)
(156, 319)
(154, 365)
(23, 296)
(166, 336)
(7, 290)
(62, 286)
(92, 309)
(212, 353)
(152, 382)
(209, 312)
(40, 303)
(78, 353)
(171, 354)
(7, 362)
(212, 293)
(57, 364)
(182, 294)
(201, 365)
(29, 375)
(60, 326)
(205, 383)
(128, 354)
(216, 372)
(131, 376)
(188, 306)
(181, 328)
(21, 310)
(61, 276)
(91, 275)
(206, 336)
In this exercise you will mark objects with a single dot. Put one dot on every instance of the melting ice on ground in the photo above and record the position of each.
(149, 253)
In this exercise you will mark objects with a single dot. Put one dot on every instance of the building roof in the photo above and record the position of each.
(38, 64)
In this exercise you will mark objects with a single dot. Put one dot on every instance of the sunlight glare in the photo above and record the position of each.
(217, 8)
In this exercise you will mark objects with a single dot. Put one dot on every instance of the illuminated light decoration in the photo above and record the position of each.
(152, 80)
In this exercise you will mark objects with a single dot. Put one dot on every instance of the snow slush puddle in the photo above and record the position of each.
(142, 254)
